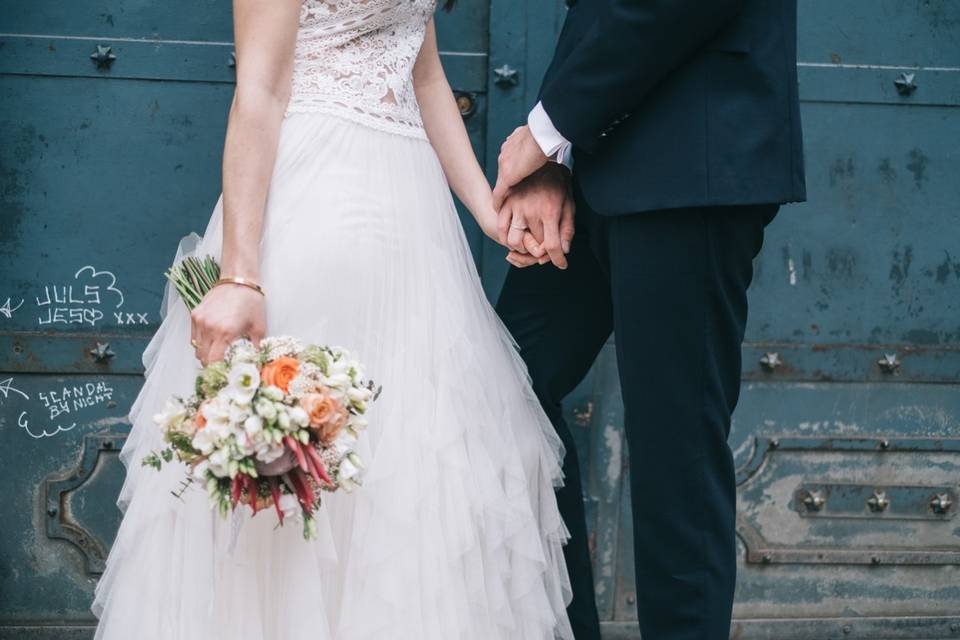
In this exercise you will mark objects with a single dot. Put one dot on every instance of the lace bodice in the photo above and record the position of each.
(354, 58)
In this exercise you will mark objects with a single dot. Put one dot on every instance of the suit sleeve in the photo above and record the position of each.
(629, 48)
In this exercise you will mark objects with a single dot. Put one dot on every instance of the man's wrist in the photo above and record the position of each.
(553, 144)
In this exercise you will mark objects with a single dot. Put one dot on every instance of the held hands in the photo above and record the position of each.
(534, 204)
(226, 313)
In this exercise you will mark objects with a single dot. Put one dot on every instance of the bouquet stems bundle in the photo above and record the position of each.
(193, 277)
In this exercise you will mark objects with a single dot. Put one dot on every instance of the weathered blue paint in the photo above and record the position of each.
(102, 169)
(109, 166)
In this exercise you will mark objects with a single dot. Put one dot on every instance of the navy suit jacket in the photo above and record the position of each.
(679, 103)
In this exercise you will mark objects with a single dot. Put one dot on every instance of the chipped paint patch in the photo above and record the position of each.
(613, 439)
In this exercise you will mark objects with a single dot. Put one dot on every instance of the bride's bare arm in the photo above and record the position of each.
(448, 135)
(265, 33)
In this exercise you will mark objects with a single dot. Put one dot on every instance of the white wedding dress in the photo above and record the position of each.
(455, 534)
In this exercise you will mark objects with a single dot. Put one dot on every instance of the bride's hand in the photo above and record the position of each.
(227, 312)
(489, 225)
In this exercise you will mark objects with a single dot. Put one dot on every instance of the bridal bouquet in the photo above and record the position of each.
(269, 425)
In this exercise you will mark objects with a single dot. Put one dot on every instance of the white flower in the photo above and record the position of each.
(339, 381)
(253, 425)
(272, 393)
(359, 395)
(172, 414)
(267, 453)
(200, 470)
(359, 423)
(219, 462)
(241, 351)
(347, 471)
(299, 417)
(204, 441)
(242, 382)
(265, 409)
(289, 506)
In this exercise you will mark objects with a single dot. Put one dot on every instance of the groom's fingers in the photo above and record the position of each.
(566, 225)
(551, 242)
(501, 191)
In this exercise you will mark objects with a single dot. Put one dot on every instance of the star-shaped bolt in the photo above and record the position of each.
(814, 500)
(103, 56)
(770, 360)
(941, 503)
(889, 363)
(506, 75)
(905, 83)
(102, 352)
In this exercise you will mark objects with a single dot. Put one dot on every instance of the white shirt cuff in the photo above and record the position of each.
(551, 141)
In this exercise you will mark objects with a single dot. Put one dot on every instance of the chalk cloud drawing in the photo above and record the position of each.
(86, 300)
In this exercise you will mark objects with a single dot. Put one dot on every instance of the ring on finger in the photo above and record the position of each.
(519, 227)
(196, 345)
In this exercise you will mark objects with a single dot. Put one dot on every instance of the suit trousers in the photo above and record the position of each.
(672, 287)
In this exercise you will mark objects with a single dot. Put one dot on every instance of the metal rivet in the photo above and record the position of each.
(18, 348)
(466, 103)
(889, 363)
(770, 360)
(506, 76)
(767, 558)
(631, 599)
(774, 443)
(814, 500)
(878, 501)
(874, 560)
(103, 56)
(884, 444)
(905, 83)
(847, 629)
(102, 352)
(941, 503)
(51, 511)
(232, 62)
(108, 445)
(955, 626)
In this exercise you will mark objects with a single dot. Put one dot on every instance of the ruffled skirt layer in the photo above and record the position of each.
(456, 532)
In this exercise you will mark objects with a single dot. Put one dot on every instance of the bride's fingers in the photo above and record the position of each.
(533, 247)
(521, 260)
(518, 229)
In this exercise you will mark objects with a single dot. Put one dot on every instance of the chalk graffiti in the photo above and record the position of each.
(74, 398)
(6, 309)
(6, 388)
(58, 402)
(84, 300)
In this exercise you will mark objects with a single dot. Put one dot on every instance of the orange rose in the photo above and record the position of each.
(327, 415)
(280, 372)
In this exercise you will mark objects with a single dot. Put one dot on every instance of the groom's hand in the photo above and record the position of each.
(540, 206)
(520, 156)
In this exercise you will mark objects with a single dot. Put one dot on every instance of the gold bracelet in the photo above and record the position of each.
(246, 282)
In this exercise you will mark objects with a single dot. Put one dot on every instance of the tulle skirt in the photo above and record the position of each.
(455, 533)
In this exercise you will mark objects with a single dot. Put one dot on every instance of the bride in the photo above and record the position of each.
(342, 139)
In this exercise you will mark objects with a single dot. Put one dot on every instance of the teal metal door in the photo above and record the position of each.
(848, 431)
(112, 118)
(847, 435)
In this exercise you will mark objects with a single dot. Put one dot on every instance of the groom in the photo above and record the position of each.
(680, 121)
